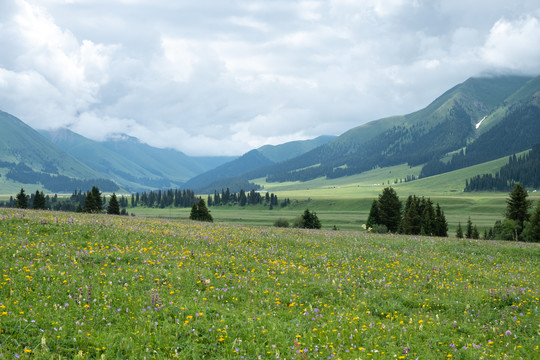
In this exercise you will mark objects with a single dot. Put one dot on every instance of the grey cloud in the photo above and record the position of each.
(225, 77)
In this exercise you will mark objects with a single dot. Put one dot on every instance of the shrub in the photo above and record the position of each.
(379, 229)
(283, 223)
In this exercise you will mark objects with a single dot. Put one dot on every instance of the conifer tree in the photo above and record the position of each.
(39, 201)
(428, 217)
(114, 206)
(310, 220)
(441, 226)
(459, 232)
(194, 214)
(533, 228)
(517, 206)
(469, 229)
(97, 199)
(22, 200)
(475, 234)
(411, 223)
(389, 209)
(200, 212)
(89, 203)
(373, 217)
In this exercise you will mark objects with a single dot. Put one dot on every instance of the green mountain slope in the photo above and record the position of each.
(252, 160)
(19, 143)
(131, 163)
(289, 150)
(447, 125)
(28, 158)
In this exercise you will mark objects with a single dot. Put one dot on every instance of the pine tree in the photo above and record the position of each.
(194, 214)
(469, 229)
(22, 200)
(459, 232)
(441, 226)
(97, 199)
(114, 207)
(389, 209)
(518, 205)
(411, 223)
(39, 201)
(533, 229)
(475, 234)
(200, 212)
(428, 217)
(89, 203)
(310, 220)
(373, 217)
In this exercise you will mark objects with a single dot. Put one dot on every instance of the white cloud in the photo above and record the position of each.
(212, 77)
(514, 45)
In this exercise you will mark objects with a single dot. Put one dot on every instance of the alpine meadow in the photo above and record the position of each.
(99, 286)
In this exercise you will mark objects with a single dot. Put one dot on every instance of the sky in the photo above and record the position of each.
(213, 77)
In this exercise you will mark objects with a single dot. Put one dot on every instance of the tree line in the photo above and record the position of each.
(93, 202)
(523, 169)
(519, 223)
(57, 183)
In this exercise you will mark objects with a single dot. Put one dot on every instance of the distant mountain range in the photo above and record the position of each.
(479, 120)
(63, 161)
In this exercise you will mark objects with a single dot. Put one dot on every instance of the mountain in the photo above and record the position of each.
(250, 160)
(26, 157)
(289, 150)
(493, 116)
(254, 159)
(131, 163)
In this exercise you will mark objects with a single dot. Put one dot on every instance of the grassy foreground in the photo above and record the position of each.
(96, 286)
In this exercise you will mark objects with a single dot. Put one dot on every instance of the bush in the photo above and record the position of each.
(298, 222)
(379, 229)
(310, 220)
(283, 223)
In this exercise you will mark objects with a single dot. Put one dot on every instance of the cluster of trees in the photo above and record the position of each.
(164, 198)
(35, 201)
(186, 198)
(308, 220)
(471, 232)
(519, 223)
(419, 217)
(200, 212)
(242, 198)
(524, 170)
(91, 202)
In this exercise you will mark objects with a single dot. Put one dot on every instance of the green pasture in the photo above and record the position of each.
(83, 286)
(344, 214)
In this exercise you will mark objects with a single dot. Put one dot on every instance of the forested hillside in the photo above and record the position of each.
(524, 170)
(26, 157)
(487, 118)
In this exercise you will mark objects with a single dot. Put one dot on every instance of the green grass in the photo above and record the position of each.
(96, 286)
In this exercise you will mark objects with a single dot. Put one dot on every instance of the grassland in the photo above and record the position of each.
(345, 202)
(97, 286)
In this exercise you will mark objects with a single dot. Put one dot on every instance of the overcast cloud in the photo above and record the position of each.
(213, 77)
